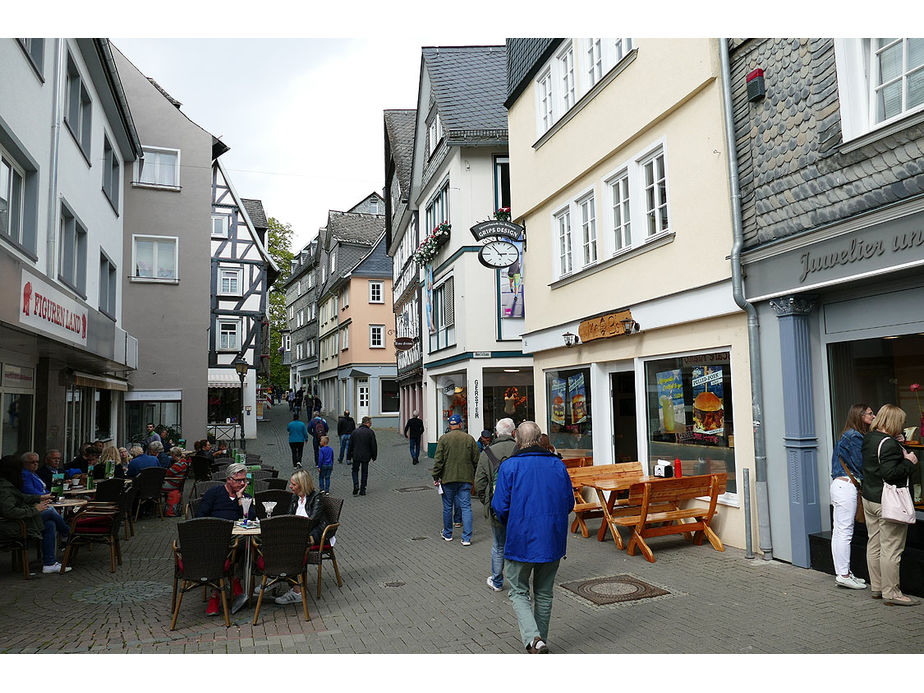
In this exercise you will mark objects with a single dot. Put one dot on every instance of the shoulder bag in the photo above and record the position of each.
(896, 500)
(860, 516)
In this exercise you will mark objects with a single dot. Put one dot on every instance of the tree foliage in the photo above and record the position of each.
(280, 240)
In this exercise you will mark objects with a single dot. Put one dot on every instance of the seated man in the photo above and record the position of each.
(87, 457)
(225, 502)
(51, 467)
(140, 461)
(156, 449)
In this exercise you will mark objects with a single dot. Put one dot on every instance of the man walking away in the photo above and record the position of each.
(485, 479)
(455, 459)
(290, 398)
(363, 449)
(298, 434)
(318, 428)
(533, 498)
(297, 403)
(413, 430)
(345, 428)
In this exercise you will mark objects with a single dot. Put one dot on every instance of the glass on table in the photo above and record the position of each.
(269, 506)
(245, 506)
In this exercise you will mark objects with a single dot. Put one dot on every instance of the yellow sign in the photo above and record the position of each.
(603, 326)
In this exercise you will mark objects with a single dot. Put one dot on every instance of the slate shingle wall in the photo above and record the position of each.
(523, 55)
(792, 173)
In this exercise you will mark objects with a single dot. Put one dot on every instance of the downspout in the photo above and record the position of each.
(51, 234)
(760, 448)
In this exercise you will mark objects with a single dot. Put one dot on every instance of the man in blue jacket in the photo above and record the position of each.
(533, 497)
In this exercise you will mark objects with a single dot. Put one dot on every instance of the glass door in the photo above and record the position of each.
(625, 436)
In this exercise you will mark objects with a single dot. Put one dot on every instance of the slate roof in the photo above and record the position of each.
(470, 85)
(255, 212)
(349, 227)
(164, 92)
(524, 58)
(376, 264)
(399, 127)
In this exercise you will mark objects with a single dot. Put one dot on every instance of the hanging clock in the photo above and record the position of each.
(498, 254)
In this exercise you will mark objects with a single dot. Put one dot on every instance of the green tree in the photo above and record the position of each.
(280, 240)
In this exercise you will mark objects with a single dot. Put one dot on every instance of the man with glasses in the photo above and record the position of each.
(225, 502)
(51, 467)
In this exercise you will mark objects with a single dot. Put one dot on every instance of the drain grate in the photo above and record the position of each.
(411, 489)
(615, 589)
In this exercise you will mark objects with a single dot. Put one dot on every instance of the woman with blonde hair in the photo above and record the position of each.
(110, 453)
(306, 502)
(885, 460)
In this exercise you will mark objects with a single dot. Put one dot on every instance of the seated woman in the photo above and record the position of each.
(32, 483)
(110, 454)
(307, 503)
(30, 508)
(173, 482)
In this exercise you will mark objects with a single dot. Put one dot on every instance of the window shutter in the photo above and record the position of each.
(449, 300)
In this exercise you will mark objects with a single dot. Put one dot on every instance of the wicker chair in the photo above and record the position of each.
(96, 523)
(261, 474)
(325, 550)
(274, 473)
(201, 487)
(283, 547)
(283, 500)
(261, 485)
(126, 506)
(192, 508)
(201, 468)
(108, 491)
(203, 557)
(149, 483)
(277, 484)
(18, 546)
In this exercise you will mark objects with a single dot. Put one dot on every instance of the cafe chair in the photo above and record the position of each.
(203, 557)
(282, 556)
(95, 523)
(274, 473)
(18, 546)
(126, 506)
(201, 468)
(149, 483)
(324, 551)
(260, 485)
(108, 491)
(283, 501)
(261, 474)
(192, 507)
(200, 487)
(277, 484)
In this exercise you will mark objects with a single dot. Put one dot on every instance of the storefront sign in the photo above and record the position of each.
(879, 248)
(603, 326)
(481, 354)
(18, 376)
(49, 310)
(497, 229)
(476, 400)
(404, 343)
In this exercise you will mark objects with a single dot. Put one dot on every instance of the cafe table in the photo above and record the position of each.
(251, 529)
(612, 485)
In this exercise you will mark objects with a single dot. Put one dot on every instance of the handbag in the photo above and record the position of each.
(859, 516)
(896, 501)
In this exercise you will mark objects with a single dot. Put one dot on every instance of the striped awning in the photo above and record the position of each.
(223, 377)
(100, 382)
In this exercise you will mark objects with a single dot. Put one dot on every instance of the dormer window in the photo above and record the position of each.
(434, 133)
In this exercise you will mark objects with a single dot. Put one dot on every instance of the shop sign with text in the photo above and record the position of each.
(49, 310)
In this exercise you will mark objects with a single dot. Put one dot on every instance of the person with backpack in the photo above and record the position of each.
(485, 480)
(318, 428)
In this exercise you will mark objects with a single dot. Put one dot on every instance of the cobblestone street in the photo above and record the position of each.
(406, 591)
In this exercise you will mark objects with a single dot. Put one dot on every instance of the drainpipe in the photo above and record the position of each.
(51, 234)
(760, 448)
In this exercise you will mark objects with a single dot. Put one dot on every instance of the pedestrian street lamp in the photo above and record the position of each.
(241, 366)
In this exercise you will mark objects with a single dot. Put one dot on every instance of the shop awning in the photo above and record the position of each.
(224, 378)
(356, 373)
(100, 382)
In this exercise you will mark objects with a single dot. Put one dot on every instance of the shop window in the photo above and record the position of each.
(453, 396)
(224, 404)
(568, 396)
(689, 412)
(139, 413)
(16, 431)
(508, 402)
(102, 429)
(390, 398)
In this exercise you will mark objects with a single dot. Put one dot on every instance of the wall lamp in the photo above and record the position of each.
(570, 339)
(630, 326)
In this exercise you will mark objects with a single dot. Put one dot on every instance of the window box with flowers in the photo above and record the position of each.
(431, 245)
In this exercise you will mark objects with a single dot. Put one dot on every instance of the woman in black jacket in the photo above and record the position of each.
(306, 501)
(885, 460)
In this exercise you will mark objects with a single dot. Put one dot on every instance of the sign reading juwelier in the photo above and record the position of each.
(49, 310)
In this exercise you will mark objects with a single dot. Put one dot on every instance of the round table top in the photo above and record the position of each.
(69, 503)
(252, 529)
(78, 491)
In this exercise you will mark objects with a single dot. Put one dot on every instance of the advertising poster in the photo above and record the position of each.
(670, 401)
(559, 393)
(511, 286)
(708, 402)
(578, 398)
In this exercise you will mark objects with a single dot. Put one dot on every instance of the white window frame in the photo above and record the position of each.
(310, 279)
(345, 342)
(158, 240)
(220, 343)
(567, 79)
(586, 207)
(434, 133)
(545, 111)
(175, 185)
(376, 330)
(593, 60)
(651, 186)
(437, 210)
(300, 318)
(345, 297)
(14, 228)
(288, 342)
(332, 262)
(619, 195)
(224, 225)
(233, 274)
(564, 259)
(380, 286)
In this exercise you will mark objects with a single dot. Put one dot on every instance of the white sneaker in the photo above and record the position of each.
(466, 543)
(850, 582)
(490, 583)
(54, 568)
(290, 597)
(857, 578)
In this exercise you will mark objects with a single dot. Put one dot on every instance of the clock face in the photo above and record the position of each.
(498, 254)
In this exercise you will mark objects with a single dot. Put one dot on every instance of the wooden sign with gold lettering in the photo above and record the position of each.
(603, 326)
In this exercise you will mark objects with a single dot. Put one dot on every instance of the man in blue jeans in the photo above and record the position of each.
(533, 497)
(485, 476)
(454, 470)
(298, 434)
(345, 427)
(413, 430)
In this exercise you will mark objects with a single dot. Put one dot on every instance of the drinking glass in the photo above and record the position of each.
(245, 505)
(269, 506)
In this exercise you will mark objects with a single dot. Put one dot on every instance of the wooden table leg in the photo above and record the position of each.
(607, 519)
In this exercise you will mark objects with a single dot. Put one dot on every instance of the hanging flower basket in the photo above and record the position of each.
(430, 246)
(502, 214)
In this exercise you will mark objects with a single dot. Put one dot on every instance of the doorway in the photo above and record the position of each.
(362, 398)
(625, 434)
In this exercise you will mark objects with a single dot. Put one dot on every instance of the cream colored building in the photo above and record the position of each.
(618, 172)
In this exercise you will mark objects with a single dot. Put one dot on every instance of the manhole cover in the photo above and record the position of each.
(395, 584)
(410, 489)
(614, 589)
(128, 592)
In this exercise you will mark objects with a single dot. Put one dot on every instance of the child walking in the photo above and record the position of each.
(325, 464)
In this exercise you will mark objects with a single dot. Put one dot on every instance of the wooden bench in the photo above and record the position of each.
(651, 521)
(589, 475)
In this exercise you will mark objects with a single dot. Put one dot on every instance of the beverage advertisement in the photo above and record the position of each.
(559, 393)
(578, 397)
(708, 402)
(670, 401)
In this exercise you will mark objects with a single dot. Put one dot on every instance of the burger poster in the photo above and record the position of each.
(559, 390)
(708, 406)
(578, 398)
(670, 401)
